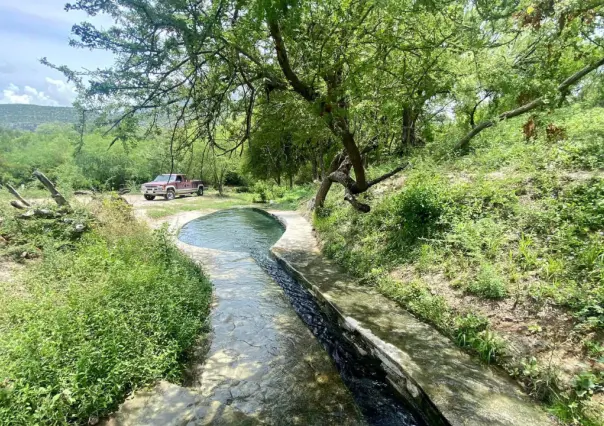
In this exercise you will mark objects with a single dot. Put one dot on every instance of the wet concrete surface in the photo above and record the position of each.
(254, 232)
(423, 363)
(262, 364)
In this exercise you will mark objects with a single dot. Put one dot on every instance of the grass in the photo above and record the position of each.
(210, 201)
(513, 222)
(281, 198)
(100, 315)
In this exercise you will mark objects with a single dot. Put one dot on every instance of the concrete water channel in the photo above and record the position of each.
(272, 356)
(316, 350)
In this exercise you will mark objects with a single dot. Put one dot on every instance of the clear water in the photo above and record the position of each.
(249, 231)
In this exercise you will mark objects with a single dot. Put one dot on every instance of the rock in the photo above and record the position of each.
(79, 228)
(24, 255)
(594, 408)
(44, 213)
(27, 215)
(3, 241)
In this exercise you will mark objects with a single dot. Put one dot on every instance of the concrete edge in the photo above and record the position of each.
(367, 344)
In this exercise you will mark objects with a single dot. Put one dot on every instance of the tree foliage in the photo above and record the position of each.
(371, 75)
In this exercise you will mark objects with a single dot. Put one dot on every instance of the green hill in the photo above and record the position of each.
(29, 117)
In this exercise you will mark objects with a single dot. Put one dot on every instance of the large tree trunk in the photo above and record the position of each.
(327, 182)
(408, 131)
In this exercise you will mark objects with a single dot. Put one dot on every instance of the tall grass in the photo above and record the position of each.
(115, 312)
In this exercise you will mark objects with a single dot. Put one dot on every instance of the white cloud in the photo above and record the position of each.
(55, 93)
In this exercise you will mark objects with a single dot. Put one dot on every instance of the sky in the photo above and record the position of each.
(31, 30)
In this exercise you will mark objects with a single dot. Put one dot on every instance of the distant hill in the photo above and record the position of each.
(29, 117)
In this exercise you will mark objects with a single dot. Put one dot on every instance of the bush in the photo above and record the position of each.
(418, 211)
(232, 178)
(488, 283)
(118, 312)
(262, 189)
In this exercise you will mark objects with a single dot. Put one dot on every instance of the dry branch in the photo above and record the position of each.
(56, 195)
(17, 195)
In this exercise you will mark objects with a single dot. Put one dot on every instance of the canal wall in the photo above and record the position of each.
(443, 383)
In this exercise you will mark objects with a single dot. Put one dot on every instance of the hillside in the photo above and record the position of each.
(29, 117)
(502, 249)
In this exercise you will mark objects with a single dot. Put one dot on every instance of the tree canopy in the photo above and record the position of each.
(337, 77)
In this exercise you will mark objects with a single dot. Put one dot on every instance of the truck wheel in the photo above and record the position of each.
(149, 197)
(170, 195)
(200, 191)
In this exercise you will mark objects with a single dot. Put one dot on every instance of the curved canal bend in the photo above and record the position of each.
(262, 363)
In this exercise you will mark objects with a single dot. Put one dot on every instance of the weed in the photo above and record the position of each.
(472, 332)
(488, 283)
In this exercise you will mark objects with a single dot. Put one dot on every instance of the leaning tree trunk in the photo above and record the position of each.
(326, 183)
(464, 142)
(56, 195)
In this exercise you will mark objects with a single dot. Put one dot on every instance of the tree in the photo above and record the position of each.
(202, 62)
(373, 73)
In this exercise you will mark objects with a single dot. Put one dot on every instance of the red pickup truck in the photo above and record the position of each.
(171, 185)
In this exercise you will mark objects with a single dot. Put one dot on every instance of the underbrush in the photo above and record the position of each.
(99, 317)
(514, 220)
(281, 197)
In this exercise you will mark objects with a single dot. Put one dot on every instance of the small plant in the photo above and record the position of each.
(472, 331)
(585, 384)
(535, 328)
(528, 256)
(542, 381)
(488, 283)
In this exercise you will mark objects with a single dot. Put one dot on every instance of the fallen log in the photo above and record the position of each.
(18, 205)
(17, 195)
(56, 195)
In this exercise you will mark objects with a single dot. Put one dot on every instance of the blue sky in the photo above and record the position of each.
(30, 30)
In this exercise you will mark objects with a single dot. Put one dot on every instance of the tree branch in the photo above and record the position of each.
(298, 85)
(17, 195)
(386, 175)
(464, 142)
(56, 195)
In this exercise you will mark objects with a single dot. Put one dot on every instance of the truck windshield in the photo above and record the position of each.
(164, 178)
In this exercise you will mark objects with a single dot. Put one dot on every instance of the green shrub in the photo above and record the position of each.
(419, 208)
(472, 331)
(116, 313)
(261, 189)
(488, 283)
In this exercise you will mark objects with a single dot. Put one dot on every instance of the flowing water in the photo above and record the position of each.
(262, 360)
